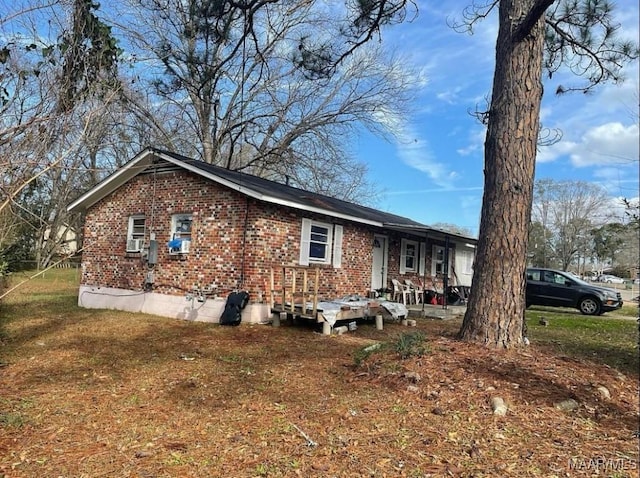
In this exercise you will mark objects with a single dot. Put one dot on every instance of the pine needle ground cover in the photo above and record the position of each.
(90, 393)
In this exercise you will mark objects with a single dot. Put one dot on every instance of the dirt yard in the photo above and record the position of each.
(102, 393)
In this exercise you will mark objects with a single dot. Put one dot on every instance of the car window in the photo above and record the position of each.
(533, 275)
(554, 278)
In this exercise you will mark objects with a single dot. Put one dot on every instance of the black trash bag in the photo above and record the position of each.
(236, 301)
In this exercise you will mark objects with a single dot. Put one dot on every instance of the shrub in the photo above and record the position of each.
(411, 344)
(364, 353)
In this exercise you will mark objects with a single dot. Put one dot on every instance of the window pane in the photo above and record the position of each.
(317, 250)
(138, 226)
(409, 263)
(183, 224)
(319, 234)
(318, 237)
(318, 242)
(410, 256)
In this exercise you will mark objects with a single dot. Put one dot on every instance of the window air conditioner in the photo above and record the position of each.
(182, 248)
(135, 245)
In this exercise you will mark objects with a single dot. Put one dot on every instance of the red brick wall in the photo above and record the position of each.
(219, 214)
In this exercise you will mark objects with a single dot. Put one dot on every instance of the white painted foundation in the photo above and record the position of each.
(174, 306)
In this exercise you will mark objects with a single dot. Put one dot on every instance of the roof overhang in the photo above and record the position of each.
(148, 157)
(430, 232)
(131, 169)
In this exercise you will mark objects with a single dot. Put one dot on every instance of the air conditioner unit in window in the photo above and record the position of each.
(135, 245)
(181, 248)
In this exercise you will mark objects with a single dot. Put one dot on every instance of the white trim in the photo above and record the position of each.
(384, 246)
(262, 197)
(132, 218)
(174, 224)
(327, 258)
(337, 246)
(305, 240)
(333, 251)
(434, 262)
(145, 159)
(403, 256)
(115, 180)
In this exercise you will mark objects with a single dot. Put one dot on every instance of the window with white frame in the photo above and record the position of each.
(136, 227)
(135, 233)
(466, 260)
(181, 226)
(408, 256)
(437, 261)
(320, 243)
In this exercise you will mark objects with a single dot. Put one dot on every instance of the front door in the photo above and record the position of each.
(379, 263)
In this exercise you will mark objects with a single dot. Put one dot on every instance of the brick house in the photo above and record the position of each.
(172, 236)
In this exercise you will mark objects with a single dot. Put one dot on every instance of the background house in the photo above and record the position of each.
(172, 236)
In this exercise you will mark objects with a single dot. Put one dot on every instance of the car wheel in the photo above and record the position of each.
(589, 306)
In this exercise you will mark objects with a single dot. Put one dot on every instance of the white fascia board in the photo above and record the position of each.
(323, 211)
(214, 178)
(112, 182)
(129, 170)
(426, 229)
(262, 197)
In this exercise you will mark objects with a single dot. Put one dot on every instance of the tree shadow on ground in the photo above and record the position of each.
(545, 384)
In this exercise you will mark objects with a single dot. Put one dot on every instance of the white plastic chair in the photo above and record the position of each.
(401, 292)
(416, 290)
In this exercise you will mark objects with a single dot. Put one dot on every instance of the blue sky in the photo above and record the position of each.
(432, 172)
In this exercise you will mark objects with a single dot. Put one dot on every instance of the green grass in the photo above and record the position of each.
(53, 294)
(627, 310)
(609, 339)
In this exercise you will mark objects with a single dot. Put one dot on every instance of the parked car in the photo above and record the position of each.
(558, 289)
(611, 279)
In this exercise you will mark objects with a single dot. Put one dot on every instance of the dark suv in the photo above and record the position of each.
(559, 289)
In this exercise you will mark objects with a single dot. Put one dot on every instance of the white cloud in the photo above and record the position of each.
(547, 154)
(476, 143)
(416, 153)
(606, 144)
(610, 143)
(450, 96)
(599, 129)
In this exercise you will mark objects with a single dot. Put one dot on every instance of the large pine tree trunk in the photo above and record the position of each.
(495, 311)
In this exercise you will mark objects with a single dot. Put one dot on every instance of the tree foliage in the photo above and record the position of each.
(52, 81)
(232, 87)
(608, 240)
(567, 211)
(273, 88)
